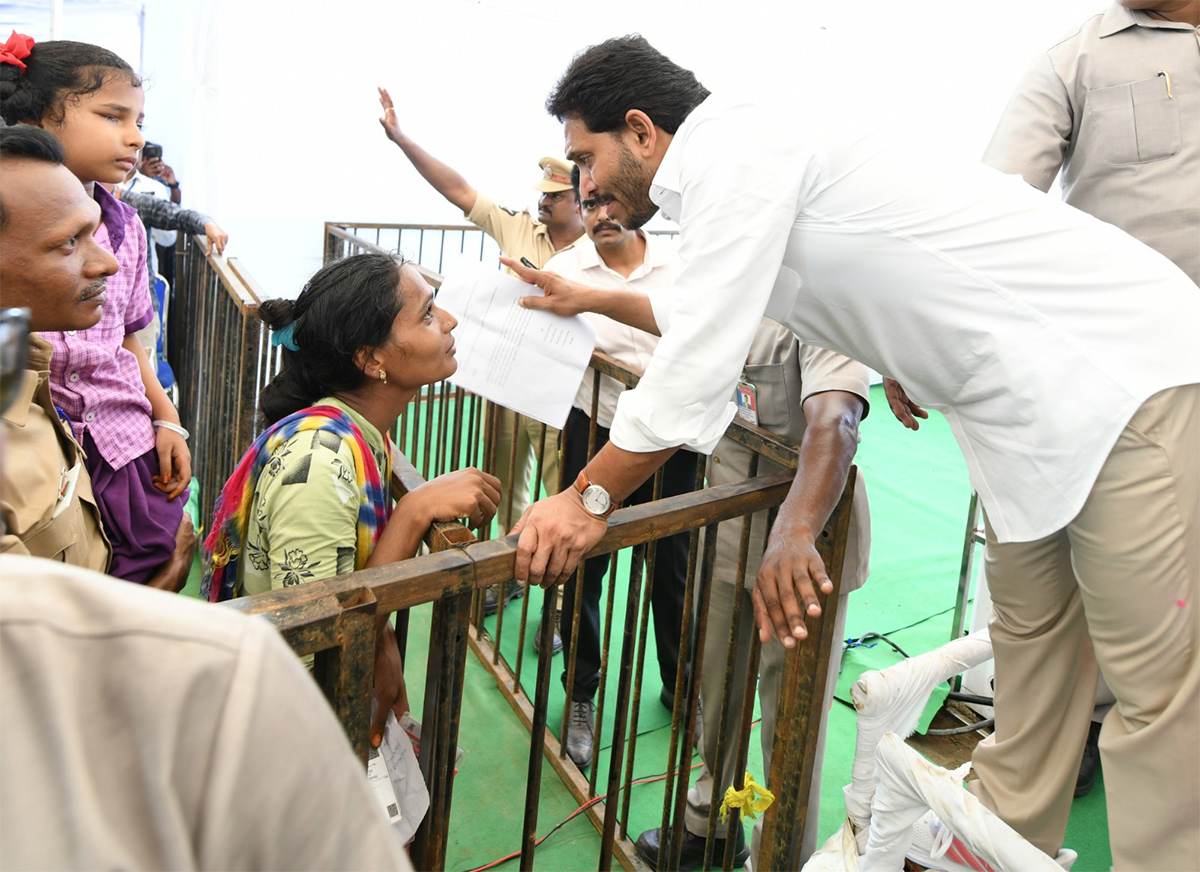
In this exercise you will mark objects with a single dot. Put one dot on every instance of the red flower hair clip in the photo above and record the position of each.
(16, 50)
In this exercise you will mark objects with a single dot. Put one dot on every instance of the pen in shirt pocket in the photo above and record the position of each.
(1164, 74)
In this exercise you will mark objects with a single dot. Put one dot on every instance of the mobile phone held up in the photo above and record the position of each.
(152, 151)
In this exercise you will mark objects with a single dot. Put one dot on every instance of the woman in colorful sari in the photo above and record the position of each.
(312, 497)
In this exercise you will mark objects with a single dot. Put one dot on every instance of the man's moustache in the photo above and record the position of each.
(94, 289)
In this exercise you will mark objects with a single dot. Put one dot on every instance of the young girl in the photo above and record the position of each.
(312, 497)
(137, 454)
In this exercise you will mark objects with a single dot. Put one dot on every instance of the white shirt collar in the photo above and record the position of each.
(659, 252)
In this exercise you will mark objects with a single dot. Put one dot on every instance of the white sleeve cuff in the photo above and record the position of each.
(640, 427)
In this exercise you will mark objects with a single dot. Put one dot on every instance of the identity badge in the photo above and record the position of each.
(746, 396)
(66, 487)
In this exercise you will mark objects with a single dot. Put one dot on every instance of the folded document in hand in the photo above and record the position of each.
(526, 360)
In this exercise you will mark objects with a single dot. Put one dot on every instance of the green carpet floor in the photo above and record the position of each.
(918, 491)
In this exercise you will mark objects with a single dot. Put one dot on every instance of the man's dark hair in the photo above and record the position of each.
(25, 140)
(605, 81)
(32, 143)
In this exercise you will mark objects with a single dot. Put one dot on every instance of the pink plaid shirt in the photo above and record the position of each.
(95, 381)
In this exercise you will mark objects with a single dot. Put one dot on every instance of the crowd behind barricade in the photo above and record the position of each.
(96, 466)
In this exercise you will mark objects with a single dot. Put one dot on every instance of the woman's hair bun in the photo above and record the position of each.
(277, 313)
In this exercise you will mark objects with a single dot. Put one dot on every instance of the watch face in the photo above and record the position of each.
(596, 500)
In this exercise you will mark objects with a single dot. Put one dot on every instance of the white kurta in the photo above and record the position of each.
(1036, 329)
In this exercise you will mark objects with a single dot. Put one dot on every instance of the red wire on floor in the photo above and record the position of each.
(571, 817)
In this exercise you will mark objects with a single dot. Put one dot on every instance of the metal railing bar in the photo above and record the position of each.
(690, 689)
(718, 762)
(608, 836)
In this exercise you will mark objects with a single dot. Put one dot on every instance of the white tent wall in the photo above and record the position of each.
(268, 108)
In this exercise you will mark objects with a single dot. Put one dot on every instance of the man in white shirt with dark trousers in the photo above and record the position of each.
(614, 258)
(1062, 352)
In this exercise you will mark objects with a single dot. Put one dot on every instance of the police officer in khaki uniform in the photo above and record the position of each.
(814, 398)
(557, 227)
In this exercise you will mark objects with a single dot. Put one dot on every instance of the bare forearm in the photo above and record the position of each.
(826, 452)
(620, 472)
(628, 307)
(403, 534)
(445, 179)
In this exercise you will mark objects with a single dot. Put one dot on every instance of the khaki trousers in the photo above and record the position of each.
(527, 433)
(1116, 592)
(712, 679)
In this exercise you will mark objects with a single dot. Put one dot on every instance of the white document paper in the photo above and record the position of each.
(394, 776)
(526, 360)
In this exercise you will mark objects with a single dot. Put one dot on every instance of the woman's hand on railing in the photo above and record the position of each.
(466, 493)
(789, 576)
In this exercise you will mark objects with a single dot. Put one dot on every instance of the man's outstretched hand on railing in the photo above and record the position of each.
(555, 534)
(785, 590)
(557, 531)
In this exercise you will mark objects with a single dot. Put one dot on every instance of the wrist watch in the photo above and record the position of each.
(596, 500)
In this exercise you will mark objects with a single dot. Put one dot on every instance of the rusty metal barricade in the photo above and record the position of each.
(445, 429)
(221, 355)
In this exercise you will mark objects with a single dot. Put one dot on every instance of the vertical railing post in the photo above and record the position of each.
(442, 708)
(801, 690)
(347, 672)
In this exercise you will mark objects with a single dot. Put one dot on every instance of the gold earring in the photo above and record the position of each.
(383, 376)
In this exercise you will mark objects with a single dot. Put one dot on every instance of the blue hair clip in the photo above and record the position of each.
(285, 336)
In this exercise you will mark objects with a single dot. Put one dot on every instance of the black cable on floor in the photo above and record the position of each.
(966, 728)
(861, 642)
(959, 696)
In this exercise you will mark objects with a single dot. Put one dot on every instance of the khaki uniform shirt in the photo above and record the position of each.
(517, 234)
(144, 730)
(1116, 107)
(785, 373)
(40, 457)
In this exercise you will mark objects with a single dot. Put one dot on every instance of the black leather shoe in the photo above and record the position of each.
(1091, 759)
(555, 642)
(512, 591)
(650, 842)
(581, 732)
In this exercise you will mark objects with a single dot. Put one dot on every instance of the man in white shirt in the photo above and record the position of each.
(614, 258)
(1062, 352)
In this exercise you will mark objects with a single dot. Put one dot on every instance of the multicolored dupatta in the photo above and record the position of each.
(231, 517)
